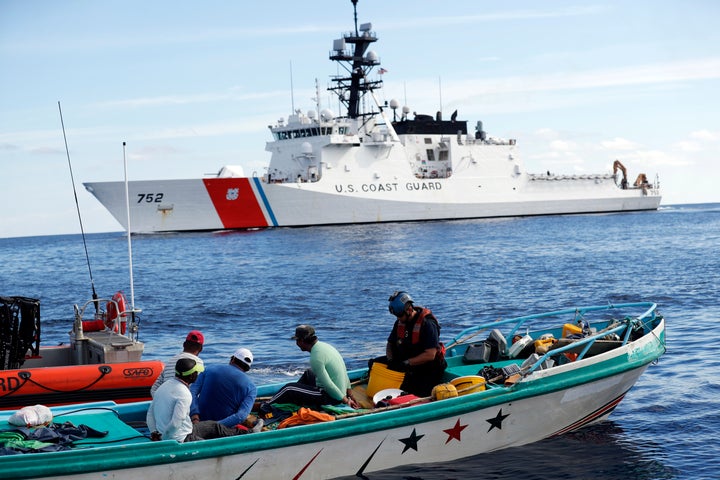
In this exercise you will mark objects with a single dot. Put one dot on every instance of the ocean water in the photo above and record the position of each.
(251, 288)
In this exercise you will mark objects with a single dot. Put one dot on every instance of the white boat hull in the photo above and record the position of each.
(440, 440)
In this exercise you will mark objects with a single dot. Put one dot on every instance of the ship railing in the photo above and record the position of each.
(550, 176)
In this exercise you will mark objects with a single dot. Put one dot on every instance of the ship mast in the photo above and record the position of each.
(358, 63)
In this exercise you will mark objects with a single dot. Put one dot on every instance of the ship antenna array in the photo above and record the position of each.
(77, 207)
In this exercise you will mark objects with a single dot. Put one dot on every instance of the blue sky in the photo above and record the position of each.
(192, 86)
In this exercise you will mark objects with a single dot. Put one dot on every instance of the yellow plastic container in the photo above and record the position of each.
(381, 377)
(443, 391)
(468, 384)
(542, 346)
(570, 329)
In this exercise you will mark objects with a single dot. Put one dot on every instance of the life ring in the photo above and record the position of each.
(116, 308)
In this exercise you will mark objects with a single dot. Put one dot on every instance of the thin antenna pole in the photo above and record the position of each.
(440, 92)
(354, 2)
(292, 89)
(317, 98)
(405, 92)
(77, 207)
(127, 207)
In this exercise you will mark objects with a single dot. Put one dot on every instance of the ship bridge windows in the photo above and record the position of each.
(303, 132)
(430, 154)
(314, 131)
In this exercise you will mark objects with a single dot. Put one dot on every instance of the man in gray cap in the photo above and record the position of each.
(326, 382)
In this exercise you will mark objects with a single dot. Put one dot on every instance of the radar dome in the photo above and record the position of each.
(326, 115)
(306, 148)
(394, 104)
(371, 56)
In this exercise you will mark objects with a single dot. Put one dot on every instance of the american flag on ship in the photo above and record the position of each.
(382, 70)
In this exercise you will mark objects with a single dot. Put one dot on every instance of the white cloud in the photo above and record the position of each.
(43, 150)
(706, 135)
(562, 145)
(654, 158)
(688, 146)
(249, 125)
(546, 133)
(650, 74)
(618, 143)
(165, 100)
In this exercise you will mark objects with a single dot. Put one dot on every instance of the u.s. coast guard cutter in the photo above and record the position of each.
(365, 167)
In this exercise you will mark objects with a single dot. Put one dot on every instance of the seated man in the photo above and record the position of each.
(168, 416)
(325, 382)
(225, 393)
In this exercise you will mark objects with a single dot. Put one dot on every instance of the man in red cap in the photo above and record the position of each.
(192, 347)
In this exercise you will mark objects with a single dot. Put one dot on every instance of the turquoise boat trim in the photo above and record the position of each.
(519, 322)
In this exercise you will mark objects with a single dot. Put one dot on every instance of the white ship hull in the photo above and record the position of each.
(182, 205)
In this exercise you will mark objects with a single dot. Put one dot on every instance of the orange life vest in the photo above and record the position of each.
(417, 326)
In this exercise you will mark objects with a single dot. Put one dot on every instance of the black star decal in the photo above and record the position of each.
(411, 441)
(497, 421)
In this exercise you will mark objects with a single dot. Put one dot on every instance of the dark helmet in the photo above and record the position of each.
(398, 300)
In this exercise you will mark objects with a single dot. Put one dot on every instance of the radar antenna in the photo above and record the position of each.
(351, 51)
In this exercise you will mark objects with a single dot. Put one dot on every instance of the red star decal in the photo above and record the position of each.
(455, 432)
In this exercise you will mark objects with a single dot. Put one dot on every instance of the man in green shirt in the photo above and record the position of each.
(326, 382)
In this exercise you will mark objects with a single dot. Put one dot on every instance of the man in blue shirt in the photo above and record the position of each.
(224, 393)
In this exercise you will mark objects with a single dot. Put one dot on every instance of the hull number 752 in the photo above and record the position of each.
(150, 197)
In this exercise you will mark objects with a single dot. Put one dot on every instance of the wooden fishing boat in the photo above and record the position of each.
(570, 368)
(102, 361)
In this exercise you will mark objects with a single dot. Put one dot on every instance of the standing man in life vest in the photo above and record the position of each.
(414, 345)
